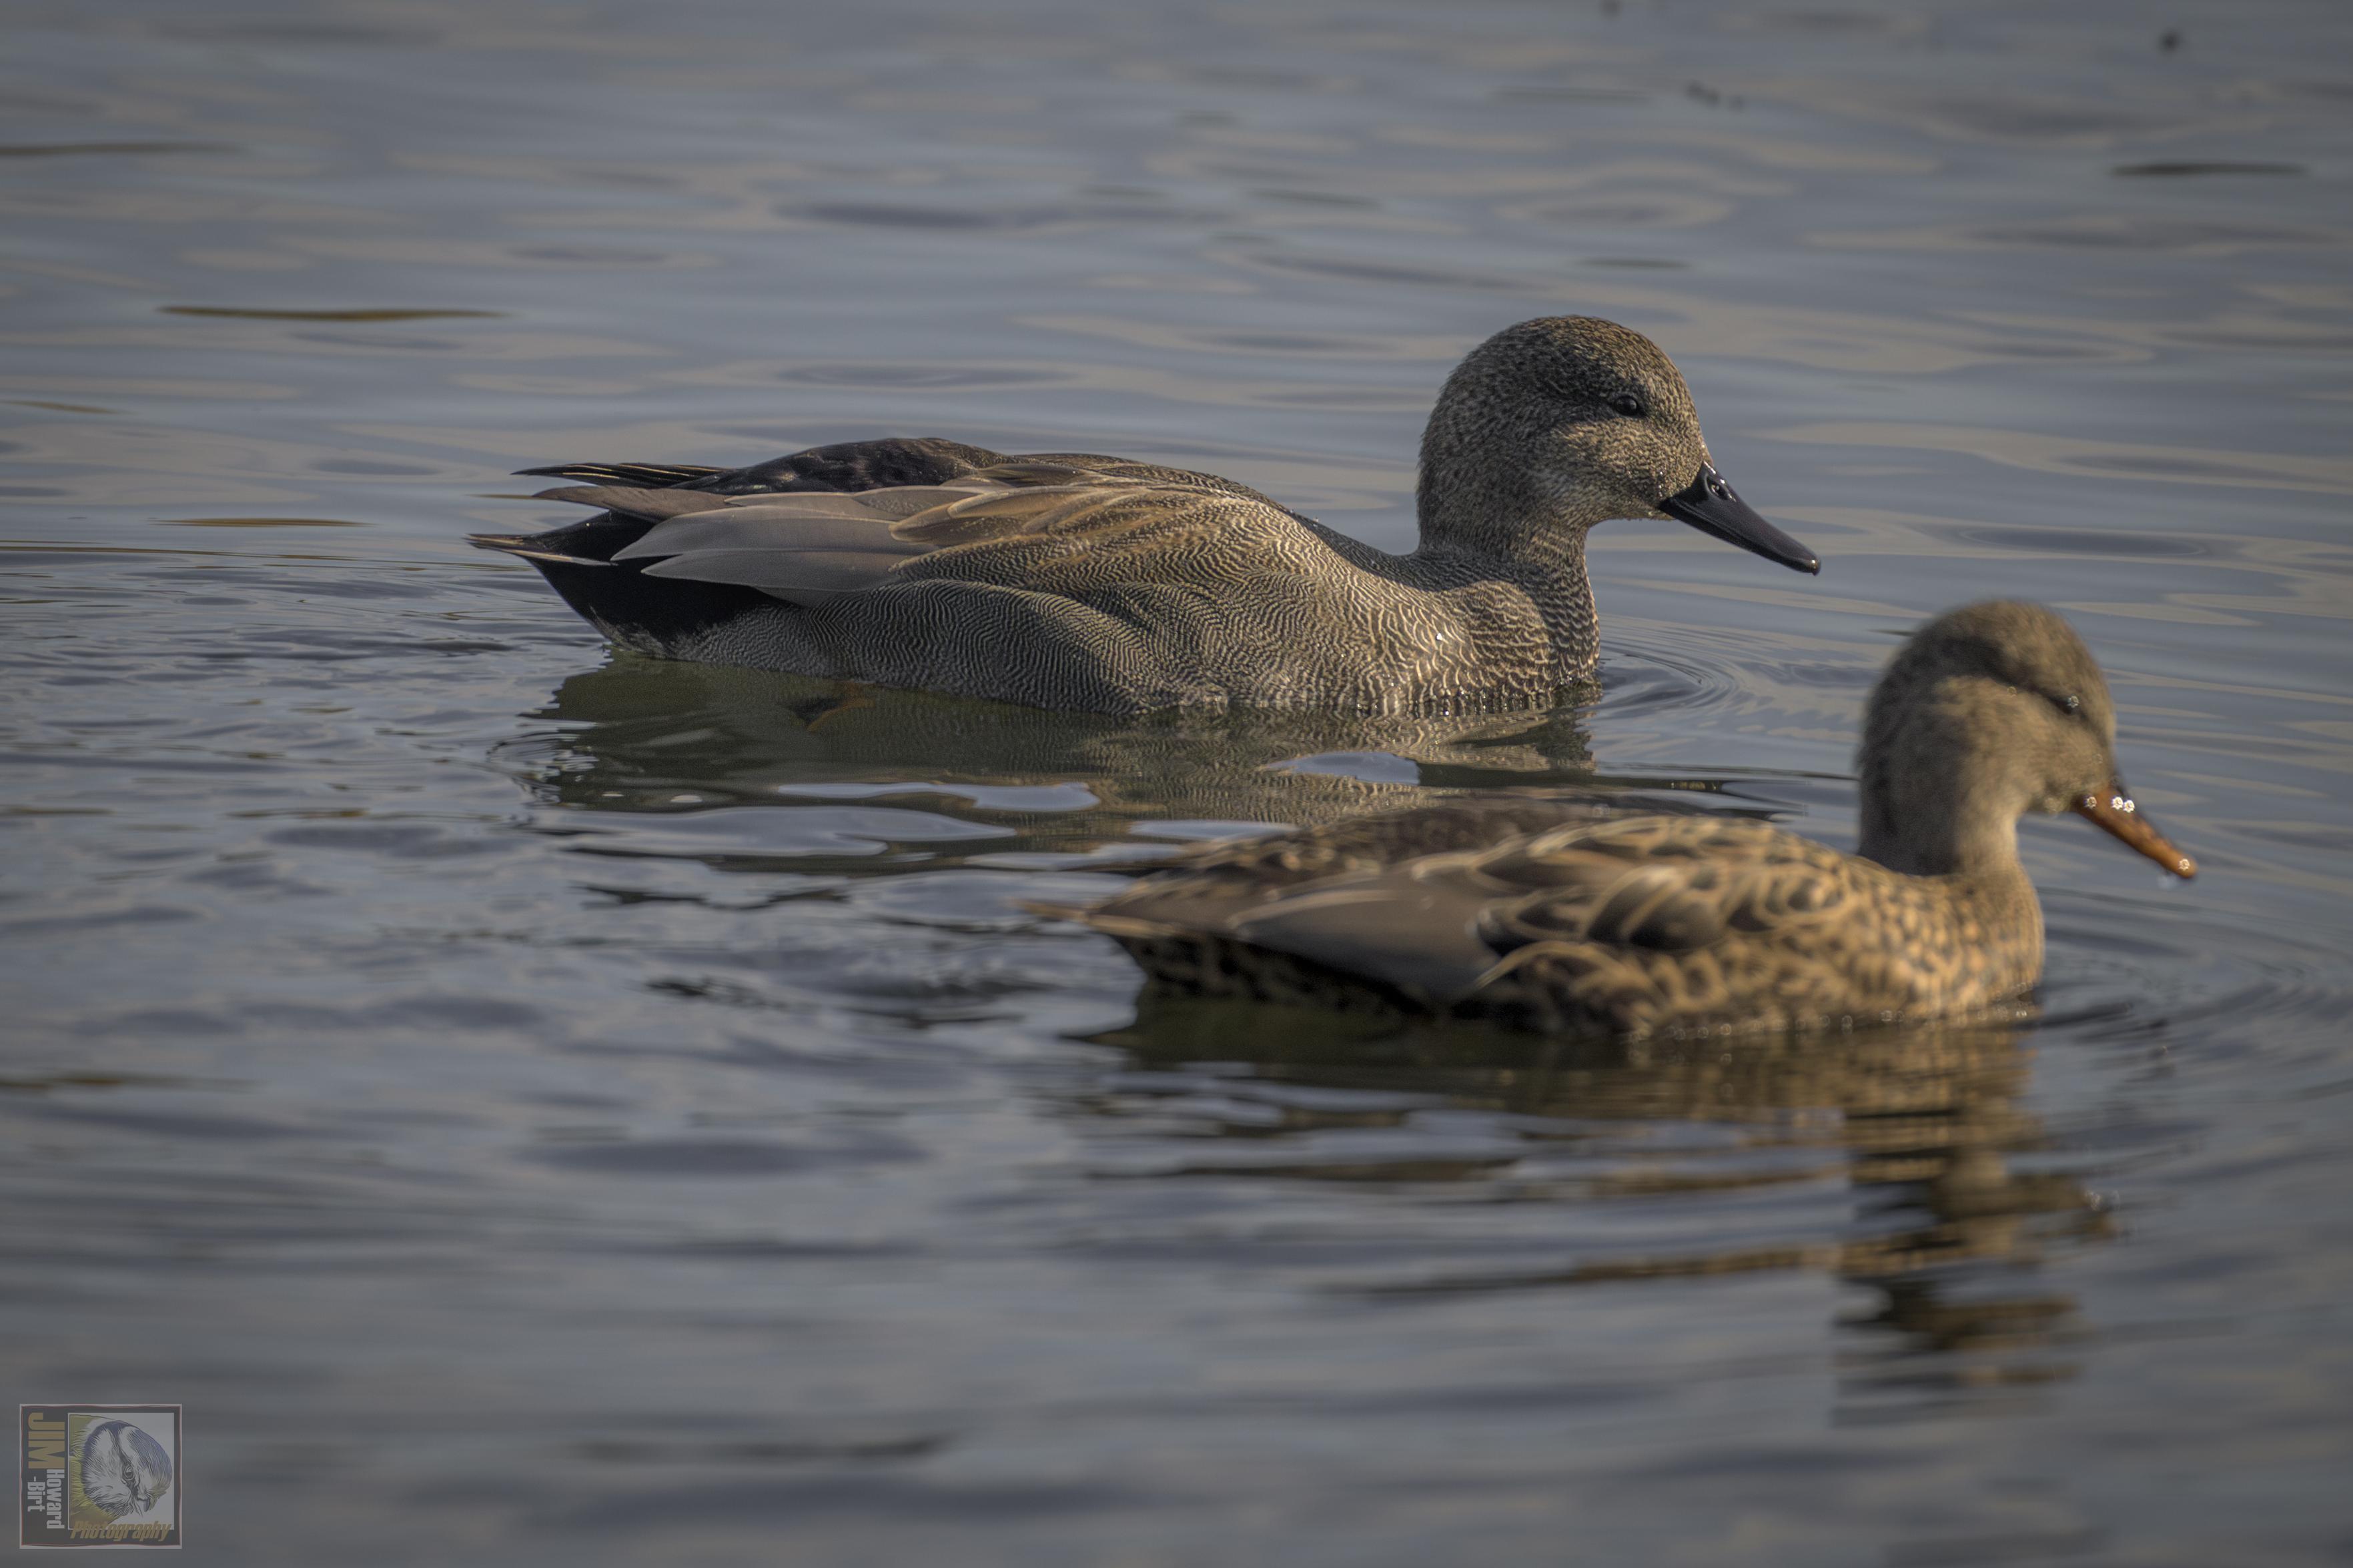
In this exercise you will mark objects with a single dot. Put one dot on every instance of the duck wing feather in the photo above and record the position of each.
(1438, 922)
(1021, 522)
(1660, 884)
(632, 501)
(652, 475)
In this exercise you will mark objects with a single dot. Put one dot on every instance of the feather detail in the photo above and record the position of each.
(528, 549)
(633, 502)
(780, 529)
(1626, 927)
(651, 475)
(800, 576)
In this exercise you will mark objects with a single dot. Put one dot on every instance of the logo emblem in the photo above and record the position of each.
(100, 1475)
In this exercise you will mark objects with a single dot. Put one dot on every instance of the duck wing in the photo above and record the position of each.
(1205, 886)
(880, 463)
(1660, 885)
(1124, 532)
(1441, 922)
(844, 466)
(1373, 896)
(1042, 526)
(653, 476)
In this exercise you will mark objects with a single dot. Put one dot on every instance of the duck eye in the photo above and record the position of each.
(1629, 405)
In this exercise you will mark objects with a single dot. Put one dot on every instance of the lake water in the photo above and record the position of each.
(532, 1106)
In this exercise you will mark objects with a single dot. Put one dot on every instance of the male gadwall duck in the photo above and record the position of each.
(1526, 912)
(1069, 581)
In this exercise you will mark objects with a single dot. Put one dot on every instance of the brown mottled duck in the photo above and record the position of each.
(1526, 912)
(1078, 582)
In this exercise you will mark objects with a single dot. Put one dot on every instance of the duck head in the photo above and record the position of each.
(1553, 425)
(1989, 713)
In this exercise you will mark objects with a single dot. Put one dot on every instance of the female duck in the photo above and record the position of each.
(1069, 581)
(1524, 911)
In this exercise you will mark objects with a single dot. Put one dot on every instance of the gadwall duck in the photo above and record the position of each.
(1069, 581)
(1526, 912)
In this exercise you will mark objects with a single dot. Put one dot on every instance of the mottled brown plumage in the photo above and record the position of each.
(1488, 909)
(1073, 581)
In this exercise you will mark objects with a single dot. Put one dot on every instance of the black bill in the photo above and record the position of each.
(1711, 506)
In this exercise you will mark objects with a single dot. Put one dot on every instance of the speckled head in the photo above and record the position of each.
(1988, 712)
(1555, 425)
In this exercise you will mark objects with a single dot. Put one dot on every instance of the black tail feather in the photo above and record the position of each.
(656, 614)
(649, 614)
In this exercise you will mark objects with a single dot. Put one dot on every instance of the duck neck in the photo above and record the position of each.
(1479, 525)
(1940, 821)
(1480, 498)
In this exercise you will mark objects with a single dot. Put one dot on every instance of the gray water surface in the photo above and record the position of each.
(535, 1106)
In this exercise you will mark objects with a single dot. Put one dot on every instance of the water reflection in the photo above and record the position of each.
(1924, 1126)
(648, 736)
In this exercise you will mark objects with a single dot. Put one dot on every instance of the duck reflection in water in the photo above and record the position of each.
(1921, 1122)
(643, 735)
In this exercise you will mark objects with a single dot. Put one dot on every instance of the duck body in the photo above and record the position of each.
(1647, 926)
(1161, 589)
(1090, 583)
(1495, 909)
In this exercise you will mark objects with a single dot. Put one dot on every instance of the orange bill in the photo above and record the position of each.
(2113, 810)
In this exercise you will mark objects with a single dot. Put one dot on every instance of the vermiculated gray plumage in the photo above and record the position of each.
(1075, 581)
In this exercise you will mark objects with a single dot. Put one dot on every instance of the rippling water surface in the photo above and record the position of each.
(536, 1106)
